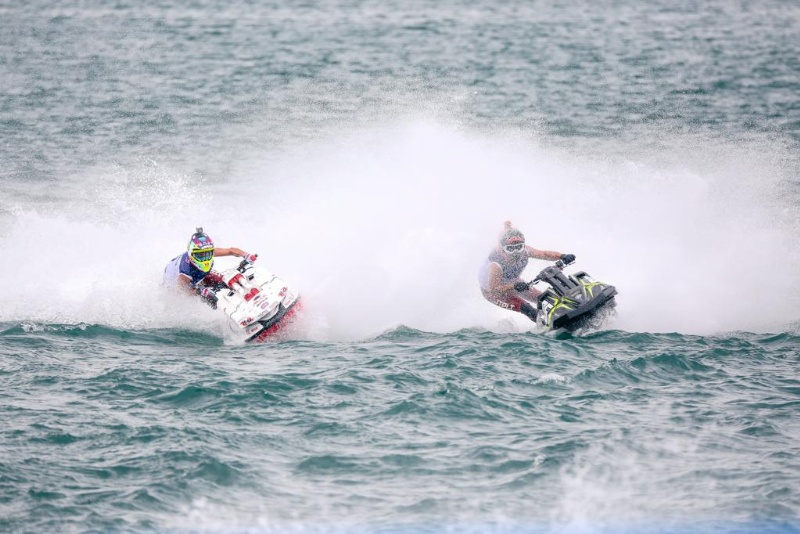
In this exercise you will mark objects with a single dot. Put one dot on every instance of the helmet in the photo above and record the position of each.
(201, 250)
(512, 241)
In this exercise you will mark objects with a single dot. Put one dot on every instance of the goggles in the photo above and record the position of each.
(514, 248)
(203, 255)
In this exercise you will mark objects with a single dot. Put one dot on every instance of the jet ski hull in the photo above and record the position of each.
(572, 301)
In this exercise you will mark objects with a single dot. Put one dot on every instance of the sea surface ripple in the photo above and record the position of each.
(165, 430)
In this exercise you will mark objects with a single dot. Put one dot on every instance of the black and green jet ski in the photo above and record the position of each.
(572, 301)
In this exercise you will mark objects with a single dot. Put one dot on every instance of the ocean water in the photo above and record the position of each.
(369, 152)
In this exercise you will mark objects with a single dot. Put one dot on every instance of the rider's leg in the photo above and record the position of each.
(511, 301)
(528, 310)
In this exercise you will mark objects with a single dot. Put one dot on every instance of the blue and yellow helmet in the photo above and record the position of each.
(201, 251)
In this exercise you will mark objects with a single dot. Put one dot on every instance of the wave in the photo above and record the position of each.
(614, 430)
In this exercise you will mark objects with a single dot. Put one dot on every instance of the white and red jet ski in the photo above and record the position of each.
(257, 302)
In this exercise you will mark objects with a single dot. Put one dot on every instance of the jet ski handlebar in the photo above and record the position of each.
(559, 264)
(246, 262)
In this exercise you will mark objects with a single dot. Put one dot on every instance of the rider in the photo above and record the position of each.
(191, 271)
(499, 276)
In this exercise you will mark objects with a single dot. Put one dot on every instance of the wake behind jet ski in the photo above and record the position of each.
(572, 301)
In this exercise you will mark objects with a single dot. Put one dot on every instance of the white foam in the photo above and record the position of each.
(389, 226)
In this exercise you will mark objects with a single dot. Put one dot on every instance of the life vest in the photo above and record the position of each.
(181, 265)
(511, 266)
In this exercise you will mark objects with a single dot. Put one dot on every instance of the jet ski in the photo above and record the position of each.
(258, 303)
(572, 301)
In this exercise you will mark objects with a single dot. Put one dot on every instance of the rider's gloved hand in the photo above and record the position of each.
(567, 258)
(522, 286)
(206, 293)
(249, 258)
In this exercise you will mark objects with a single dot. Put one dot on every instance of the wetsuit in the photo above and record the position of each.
(512, 270)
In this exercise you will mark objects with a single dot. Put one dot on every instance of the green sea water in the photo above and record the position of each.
(370, 152)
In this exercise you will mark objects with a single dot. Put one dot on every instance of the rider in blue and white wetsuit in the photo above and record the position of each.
(191, 271)
(499, 276)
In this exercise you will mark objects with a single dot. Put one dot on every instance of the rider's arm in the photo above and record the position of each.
(496, 280)
(185, 283)
(232, 251)
(543, 254)
(212, 278)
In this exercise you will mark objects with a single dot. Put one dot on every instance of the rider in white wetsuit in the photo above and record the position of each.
(499, 276)
(191, 271)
